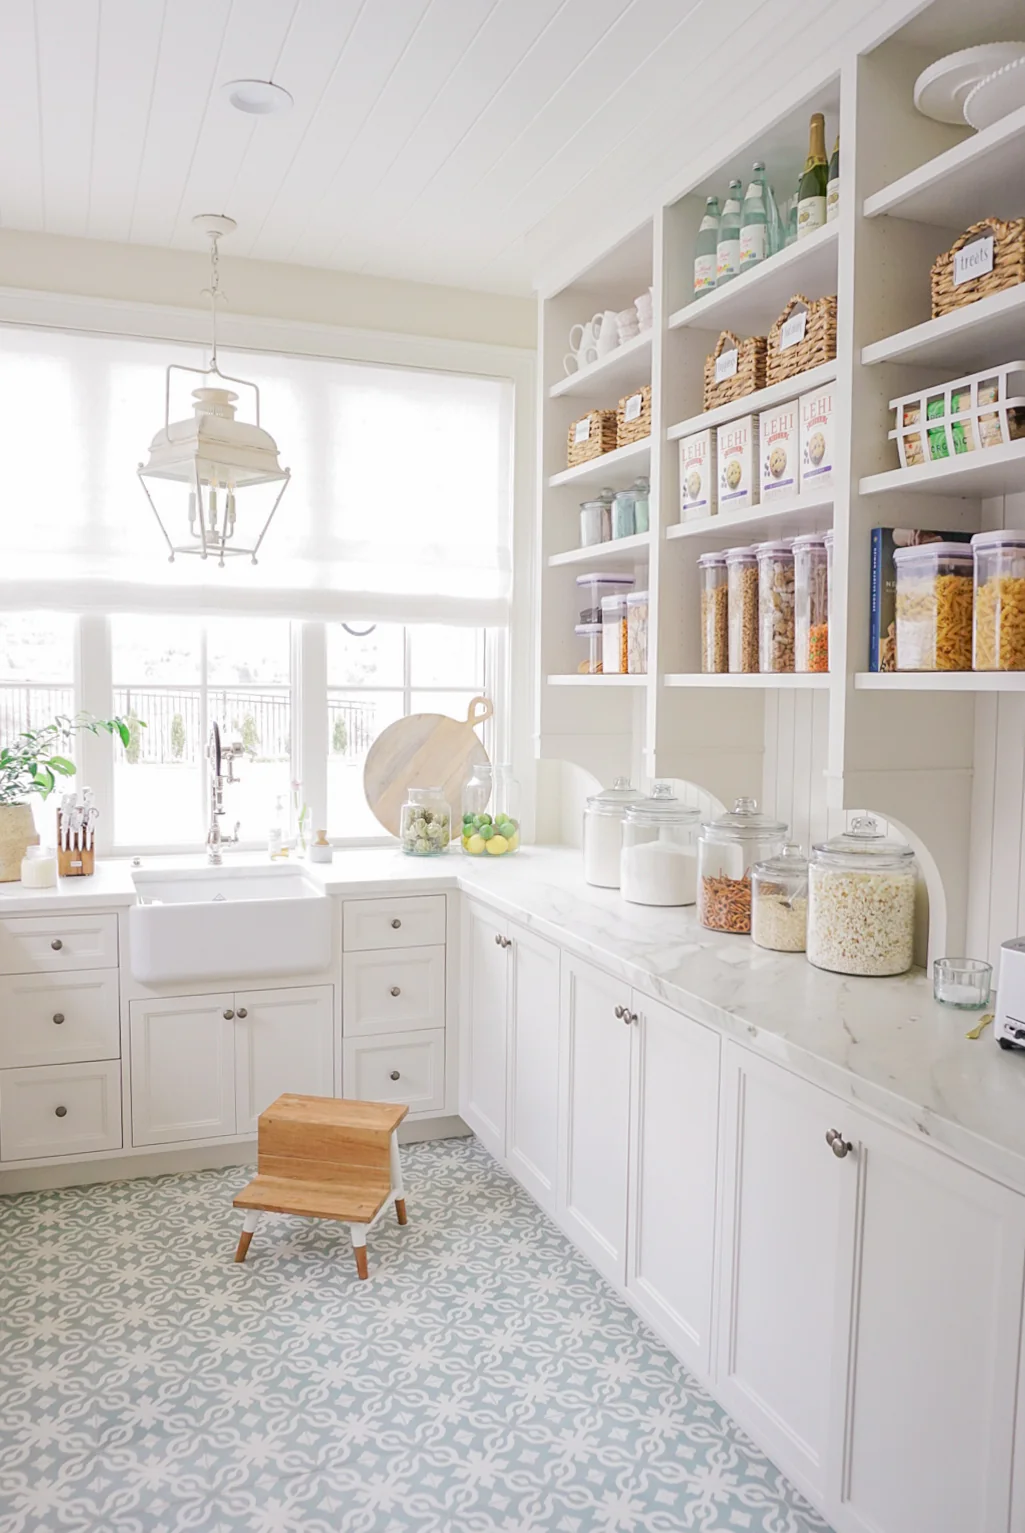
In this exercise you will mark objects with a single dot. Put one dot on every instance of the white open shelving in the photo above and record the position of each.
(940, 681)
(757, 681)
(981, 177)
(624, 368)
(992, 327)
(761, 399)
(773, 518)
(635, 456)
(605, 553)
(574, 679)
(750, 302)
(987, 471)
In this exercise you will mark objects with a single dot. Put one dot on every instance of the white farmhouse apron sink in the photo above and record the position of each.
(205, 923)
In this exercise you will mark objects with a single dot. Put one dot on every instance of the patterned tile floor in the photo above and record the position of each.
(484, 1379)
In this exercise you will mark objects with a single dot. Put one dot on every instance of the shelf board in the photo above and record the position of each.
(964, 184)
(597, 470)
(761, 399)
(751, 302)
(984, 333)
(618, 548)
(940, 681)
(800, 681)
(577, 680)
(627, 367)
(772, 518)
(988, 471)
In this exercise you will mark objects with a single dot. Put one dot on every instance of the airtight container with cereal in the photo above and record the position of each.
(934, 607)
(728, 849)
(861, 902)
(999, 625)
(780, 448)
(697, 475)
(714, 606)
(742, 586)
(736, 448)
(775, 607)
(817, 438)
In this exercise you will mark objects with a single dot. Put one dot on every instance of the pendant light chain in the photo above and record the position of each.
(215, 296)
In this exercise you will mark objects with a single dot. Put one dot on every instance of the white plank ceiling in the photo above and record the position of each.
(454, 141)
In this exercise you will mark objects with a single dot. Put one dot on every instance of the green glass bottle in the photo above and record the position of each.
(705, 248)
(833, 185)
(791, 237)
(754, 220)
(811, 191)
(727, 250)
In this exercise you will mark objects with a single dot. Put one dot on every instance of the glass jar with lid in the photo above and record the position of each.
(861, 902)
(641, 491)
(742, 603)
(779, 900)
(623, 522)
(491, 823)
(425, 822)
(999, 627)
(603, 832)
(595, 522)
(934, 607)
(811, 603)
(659, 862)
(714, 622)
(728, 849)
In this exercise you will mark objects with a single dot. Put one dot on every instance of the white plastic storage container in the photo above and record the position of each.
(999, 609)
(596, 584)
(934, 607)
(614, 651)
(775, 607)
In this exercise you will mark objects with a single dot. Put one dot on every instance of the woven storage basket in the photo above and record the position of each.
(600, 437)
(1008, 265)
(639, 427)
(750, 374)
(818, 344)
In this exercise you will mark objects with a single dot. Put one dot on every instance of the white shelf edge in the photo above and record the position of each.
(640, 542)
(800, 681)
(722, 298)
(953, 476)
(761, 399)
(575, 679)
(933, 332)
(940, 681)
(889, 198)
(596, 466)
(579, 382)
(794, 506)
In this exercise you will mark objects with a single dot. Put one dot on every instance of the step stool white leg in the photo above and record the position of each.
(397, 1189)
(358, 1236)
(249, 1227)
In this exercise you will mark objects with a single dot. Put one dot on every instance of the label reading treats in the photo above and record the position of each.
(792, 332)
(582, 430)
(726, 366)
(633, 407)
(975, 260)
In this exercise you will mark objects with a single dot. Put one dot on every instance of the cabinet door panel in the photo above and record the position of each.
(60, 1110)
(673, 1177)
(532, 1144)
(595, 1047)
(284, 1042)
(483, 1026)
(183, 1069)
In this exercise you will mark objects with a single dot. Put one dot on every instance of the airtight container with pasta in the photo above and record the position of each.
(999, 623)
(714, 623)
(728, 849)
(934, 607)
(861, 902)
(775, 607)
(742, 586)
(811, 603)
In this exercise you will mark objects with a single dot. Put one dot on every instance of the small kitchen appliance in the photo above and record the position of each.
(1009, 1021)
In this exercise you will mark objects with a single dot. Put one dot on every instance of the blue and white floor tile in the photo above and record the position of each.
(483, 1379)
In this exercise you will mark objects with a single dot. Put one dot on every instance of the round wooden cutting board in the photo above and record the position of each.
(427, 750)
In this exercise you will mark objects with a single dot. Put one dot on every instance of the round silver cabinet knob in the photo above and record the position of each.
(58, 1017)
(56, 944)
(620, 1012)
(60, 1112)
(228, 1014)
(394, 1075)
(498, 939)
(395, 990)
(242, 1012)
(629, 1016)
(396, 923)
(838, 1144)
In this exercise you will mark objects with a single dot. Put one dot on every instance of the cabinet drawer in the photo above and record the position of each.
(404, 1067)
(30, 944)
(60, 1110)
(389, 992)
(418, 921)
(58, 1019)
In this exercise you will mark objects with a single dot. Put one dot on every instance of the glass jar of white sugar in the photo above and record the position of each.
(659, 862)
(603, 832)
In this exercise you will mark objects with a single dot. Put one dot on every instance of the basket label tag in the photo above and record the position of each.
(792, 331)
(726, 366)
(582, 430)
(975, 260)
(632, 408)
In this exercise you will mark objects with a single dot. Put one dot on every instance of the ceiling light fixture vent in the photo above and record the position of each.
(259, 98)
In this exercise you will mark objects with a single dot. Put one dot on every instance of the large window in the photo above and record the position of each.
(37, 681)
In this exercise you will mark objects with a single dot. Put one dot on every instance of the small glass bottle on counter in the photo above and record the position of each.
(491, 824)
(779, 901)
(934, 607)
(603, 832)
(811, 603)
(999, 625)
(728, 849)
(714, 620)
(659, 862)
(623, 523)
(425, 822)
(775, 607)
(861, 902)
(742, 585)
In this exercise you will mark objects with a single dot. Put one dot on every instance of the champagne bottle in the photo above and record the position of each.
(705, 249)
(754, 220)
(727, 250)
(833, 185)
(811, 191)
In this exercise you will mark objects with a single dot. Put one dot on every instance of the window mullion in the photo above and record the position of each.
(204, 732)
(310, 742)
(94, 694)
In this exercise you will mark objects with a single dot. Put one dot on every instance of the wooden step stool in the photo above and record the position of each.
(326, 1158)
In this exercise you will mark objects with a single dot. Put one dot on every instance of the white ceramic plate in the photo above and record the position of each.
(996, 95)
(940, 90)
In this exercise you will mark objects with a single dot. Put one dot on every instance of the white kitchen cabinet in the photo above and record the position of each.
(183, 1068)
(284, 1041)
(400, 1067)
(532, 1101)
(786, 1199)
(60, 1110)
(594, 1074)
(393, 992)
(482, 1074)
(673, 1163)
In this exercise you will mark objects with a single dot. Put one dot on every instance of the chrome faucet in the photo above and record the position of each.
(217, 755)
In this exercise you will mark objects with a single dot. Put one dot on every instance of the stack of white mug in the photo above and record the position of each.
(604, 332)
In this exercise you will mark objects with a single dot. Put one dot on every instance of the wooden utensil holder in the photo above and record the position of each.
(73, 863)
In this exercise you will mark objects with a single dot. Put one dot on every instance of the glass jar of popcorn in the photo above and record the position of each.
(861, 902)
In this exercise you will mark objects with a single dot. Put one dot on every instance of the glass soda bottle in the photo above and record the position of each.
(727, 250)
(754, 220)
(705, 249)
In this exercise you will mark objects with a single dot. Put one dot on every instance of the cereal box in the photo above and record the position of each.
(818, 437)
(737, 454)
(779, 445)
(697, 476)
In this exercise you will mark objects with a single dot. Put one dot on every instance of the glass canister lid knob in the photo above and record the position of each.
(663, 790)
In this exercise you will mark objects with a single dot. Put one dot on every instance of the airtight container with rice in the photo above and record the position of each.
(934, 607)
(728, 849)
(861, 902)
(999, 610)
(659, 861)
(603, 832)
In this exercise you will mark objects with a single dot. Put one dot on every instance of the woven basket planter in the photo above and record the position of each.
(633, 419)
(590, 437)
(818, 344)
(1008, 237)
(750, 373)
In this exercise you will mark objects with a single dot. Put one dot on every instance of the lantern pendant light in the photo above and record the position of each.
(218, 461)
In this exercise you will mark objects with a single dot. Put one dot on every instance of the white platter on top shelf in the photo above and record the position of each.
(987, 471)
(617, 548)
(993, 328)
(632, 459)
(761, 399)
(997, 96)
(942, 90)
(963, 185)
(811, 512)
(750, 303)
(757, 681)
(940, 681)
(625, 368)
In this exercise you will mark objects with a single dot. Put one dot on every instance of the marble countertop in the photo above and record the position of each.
(883, 1043)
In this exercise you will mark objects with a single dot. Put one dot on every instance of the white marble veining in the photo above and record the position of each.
(883, 1043)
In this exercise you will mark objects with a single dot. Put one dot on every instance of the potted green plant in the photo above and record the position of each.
(32, 763)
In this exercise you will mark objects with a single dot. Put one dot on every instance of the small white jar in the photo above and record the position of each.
(39, 868)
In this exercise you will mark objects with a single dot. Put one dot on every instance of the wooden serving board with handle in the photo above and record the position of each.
(427, 750)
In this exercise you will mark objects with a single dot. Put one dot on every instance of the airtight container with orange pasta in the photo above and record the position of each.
(934, 607)
(999, 617)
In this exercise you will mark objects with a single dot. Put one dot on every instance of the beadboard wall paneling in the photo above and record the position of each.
(793, 776)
